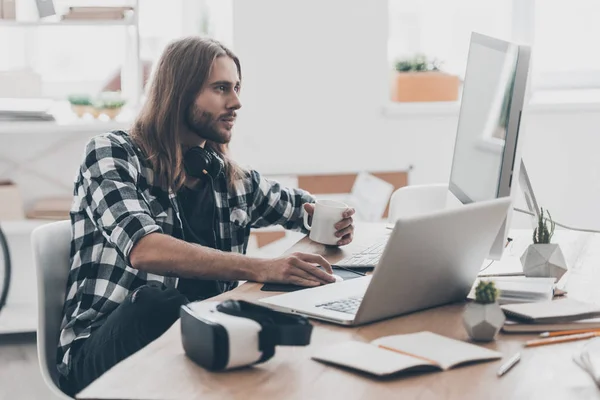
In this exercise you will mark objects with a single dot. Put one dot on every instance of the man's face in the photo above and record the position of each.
(213, 114)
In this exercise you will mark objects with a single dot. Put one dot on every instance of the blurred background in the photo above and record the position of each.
(340, 97)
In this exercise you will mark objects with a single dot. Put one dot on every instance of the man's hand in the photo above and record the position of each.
(344, 228)
(298, 269)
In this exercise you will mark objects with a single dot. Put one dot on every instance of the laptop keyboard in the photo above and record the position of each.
(349, 305)
(368, 257)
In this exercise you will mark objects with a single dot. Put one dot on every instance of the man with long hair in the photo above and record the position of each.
(161, 216)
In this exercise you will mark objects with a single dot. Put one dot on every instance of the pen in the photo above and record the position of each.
(570, 332)
(560, 339)
(504, 368)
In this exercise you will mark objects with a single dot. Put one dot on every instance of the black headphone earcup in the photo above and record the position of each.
(199, 162)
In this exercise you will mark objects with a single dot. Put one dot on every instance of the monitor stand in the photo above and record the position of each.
(527, 189)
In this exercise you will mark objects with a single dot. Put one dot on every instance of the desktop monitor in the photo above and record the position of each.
(487, 151)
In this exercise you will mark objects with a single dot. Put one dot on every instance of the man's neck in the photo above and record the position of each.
(189, 139)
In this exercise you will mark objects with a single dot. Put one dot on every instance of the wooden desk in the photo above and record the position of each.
(162, 371)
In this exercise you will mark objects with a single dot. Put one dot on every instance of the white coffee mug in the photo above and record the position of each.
(327, 214)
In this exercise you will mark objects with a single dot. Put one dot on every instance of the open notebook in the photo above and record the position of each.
(409, 352)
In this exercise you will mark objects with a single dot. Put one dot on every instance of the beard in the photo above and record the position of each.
(205, 125)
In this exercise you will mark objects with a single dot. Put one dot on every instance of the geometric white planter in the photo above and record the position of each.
(483, 321)
(544, 260)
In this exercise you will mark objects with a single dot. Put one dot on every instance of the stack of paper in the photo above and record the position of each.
(15, 109)
(520, 289)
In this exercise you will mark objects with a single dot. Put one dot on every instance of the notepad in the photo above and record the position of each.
(415, 351)
(557, 311)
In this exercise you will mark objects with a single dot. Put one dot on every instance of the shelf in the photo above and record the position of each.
(48, 127)
(25, 24)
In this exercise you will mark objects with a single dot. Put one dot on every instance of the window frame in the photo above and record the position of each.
(522, 30)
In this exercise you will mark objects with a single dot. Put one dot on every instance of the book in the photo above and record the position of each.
(520, 289)
(421, 351)
(511, 326)
(554, 311)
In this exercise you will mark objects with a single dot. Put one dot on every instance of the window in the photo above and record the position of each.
(564, 35)
(566, 44)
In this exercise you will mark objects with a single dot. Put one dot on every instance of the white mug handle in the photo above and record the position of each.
(306, 225)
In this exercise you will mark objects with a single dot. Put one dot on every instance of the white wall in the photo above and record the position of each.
(315, 83)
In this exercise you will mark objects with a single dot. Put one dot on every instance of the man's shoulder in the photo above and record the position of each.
(113, 138)
(116, 144)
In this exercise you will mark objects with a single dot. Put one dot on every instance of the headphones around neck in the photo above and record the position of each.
(199, 162)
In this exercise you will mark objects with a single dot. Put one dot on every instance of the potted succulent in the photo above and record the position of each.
(112, 108)
(420, 79)
(484, 317)
(542, 258)
(80, 104)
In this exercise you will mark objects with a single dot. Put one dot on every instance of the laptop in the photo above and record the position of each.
(429, 260)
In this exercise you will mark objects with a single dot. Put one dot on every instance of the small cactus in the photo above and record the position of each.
(486, 292)
(545, 229)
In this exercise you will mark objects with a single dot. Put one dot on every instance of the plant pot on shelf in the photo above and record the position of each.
(544, 260)
(81, 110)
(425, 86)
(483, 321)
(111, 113)
(95, 112)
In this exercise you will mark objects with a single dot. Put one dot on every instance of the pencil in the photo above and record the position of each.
(561, 339)
(570, 332)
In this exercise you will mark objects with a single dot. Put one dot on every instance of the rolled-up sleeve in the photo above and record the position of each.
(110, 196)
(274, 204)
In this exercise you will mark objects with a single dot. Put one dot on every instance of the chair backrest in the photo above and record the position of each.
(410, 201)
(51, 248)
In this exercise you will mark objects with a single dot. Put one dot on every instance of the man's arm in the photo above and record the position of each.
(162, 254)
(274, 204)
(109, 195)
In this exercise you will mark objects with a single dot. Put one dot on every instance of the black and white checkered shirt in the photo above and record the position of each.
(115, 204)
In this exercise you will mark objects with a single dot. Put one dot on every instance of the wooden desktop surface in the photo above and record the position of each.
(162, 371)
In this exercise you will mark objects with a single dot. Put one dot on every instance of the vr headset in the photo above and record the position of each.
(236, 333)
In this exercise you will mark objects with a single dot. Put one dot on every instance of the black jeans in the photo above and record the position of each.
(146, 313)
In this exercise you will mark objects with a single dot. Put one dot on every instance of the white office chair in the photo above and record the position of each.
(413, 200)
(51, 247)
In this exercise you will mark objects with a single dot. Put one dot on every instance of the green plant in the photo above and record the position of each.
(80, 100)
(486, 292)
(545, 229)
(419, 62)
(112, 104)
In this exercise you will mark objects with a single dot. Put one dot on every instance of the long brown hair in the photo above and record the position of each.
(177, 79)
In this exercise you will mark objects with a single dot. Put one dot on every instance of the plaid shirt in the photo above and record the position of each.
(116, 204)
